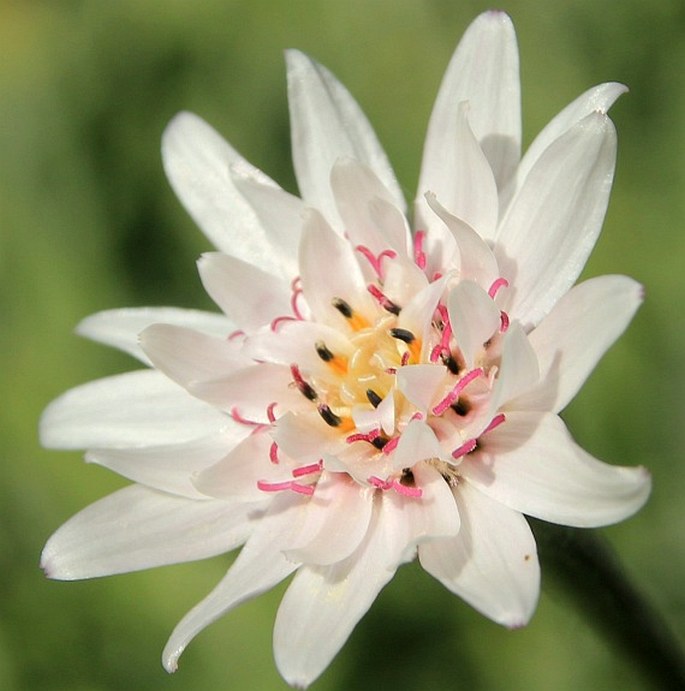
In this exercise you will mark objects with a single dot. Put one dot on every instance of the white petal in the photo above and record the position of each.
(484, 72)
(280, 214)
(474, 318)
(476, 260)
(553, 222)
(532, 465)
(327, 124)
(572, 338)
(305, 436)
(259, 566)
(336, 521)
(380, 417)
(330, 270)
(169, 468)
(235, 476)
(420, 383)
(120, 327)
(464, 182)
(519, 369)
(198, 163)
(597, 99)
(416, 316)
(133, 409)
(491, 563)
(417, 443)
(189, 357)
(248, 295)
(138, 528)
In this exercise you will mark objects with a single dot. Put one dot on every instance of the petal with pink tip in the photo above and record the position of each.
(532, 465)
(491, 563)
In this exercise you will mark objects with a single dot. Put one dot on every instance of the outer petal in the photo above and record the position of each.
(169, 468)
(553, 222)
(120, 327)
(133, 409)
(532, 465)
(138, 528)
(570, 341)
(597, 99)
(198, 163)
(491, 563)
(250, 296)
(327, 124)
(259, 566)
(485, 72)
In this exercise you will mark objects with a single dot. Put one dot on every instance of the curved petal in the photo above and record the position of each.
(259, 566)
(133, 409)
(555, 219)
(572, 338)
(485, 72)
(597, 99)
(491, 563)
(532, 465)
(248, 295)
(138, 528)
(420, 383)
(189, 357)
(464, 182)
(169, 468)
(336, 521)
(198, 163)
(120, 327)
(327, 124)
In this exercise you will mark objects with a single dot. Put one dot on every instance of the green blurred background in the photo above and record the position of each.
(88, 222)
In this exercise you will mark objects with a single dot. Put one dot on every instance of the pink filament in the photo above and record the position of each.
(383, 300)
(293, 303)
(235, 414)
(415, 492)
(273, 453)
(503, 321)
(374, 260)
(465, 448)
(275, 323)
(281, 486)
(495, 422)
(453, 395)
(308, 469)
(419, 254)
(380, 484)
(496, 285)
(235, 334)
(391, 445)
(270, 412)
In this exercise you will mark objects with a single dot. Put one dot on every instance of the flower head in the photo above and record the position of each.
(373, 392)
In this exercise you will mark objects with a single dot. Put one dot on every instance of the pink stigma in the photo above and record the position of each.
(465, 448)
(235, 414)
(270, 412)
(453, 395)
(496, 285)
(414, 492)
(273, 453)
(503, 321)
(383, 300)
(297, 292)
(495, 422)
(281, 486)
(235, 334)
(391, 445)
(276, 322)
(376, 260)
(370, 436)
(308, 469)
(419, 254)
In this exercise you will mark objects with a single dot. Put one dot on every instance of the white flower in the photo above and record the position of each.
(372, 393)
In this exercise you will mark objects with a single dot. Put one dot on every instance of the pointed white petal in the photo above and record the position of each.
(381, 417)
(474, 318)
(133, 409)
(553, 222)
(169, 468)
(120, 327)
(259, 566)
(491, 563)
(189, 357)
(327, 124)
(420, 383)
(248, 295)
(519, 369)
(572, 338)
(198, 163)
(417, 443)
(336, 521)
(532, 465)
(597, 99)
(138, 528)
(485, 72)
(330, 270)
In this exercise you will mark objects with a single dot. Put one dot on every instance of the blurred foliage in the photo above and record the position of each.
(87, 222)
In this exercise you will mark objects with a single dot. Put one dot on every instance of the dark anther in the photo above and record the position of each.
(343, 307)
(323, 352)
(461, 407)
(451, 364)
(391, 307)
(379, 442)
(407, 477)
(403, 335)
(374, 398)
(329, 417)
(306, 389)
